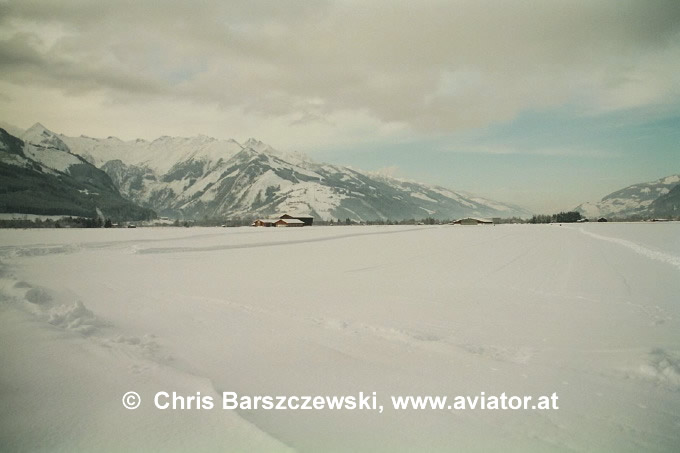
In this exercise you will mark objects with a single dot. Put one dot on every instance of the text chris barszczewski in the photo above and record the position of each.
(362, 401)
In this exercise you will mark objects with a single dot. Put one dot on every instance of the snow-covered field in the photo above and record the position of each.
(589, 312)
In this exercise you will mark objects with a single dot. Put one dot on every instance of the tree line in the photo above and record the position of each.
(561, 217)
(64, 222)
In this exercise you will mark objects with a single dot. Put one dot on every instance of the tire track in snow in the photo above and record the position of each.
(215, 248)
(656, 255)
(60, 249)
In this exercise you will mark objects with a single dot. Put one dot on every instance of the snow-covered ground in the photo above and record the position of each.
(589, 312)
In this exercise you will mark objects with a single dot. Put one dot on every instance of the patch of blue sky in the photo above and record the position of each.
(577, 152)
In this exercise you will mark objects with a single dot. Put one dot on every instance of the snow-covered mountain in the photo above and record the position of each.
(202, 176)
(45, 147)
(644, 199)
(667, 205)
(41, 176)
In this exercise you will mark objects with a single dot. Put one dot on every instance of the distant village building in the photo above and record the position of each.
(471, 221)
(264, 222)
(285, 220)
(307, 219)
(289, 223)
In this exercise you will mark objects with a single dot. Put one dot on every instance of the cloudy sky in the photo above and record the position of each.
(542, 103)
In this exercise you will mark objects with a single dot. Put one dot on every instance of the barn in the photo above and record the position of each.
(289, 220)
(306, 219)
(289, 223)
(471, 221)
(264, 222)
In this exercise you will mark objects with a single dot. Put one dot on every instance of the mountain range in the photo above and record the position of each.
(660, 198)
(205, 177)
(196, 177)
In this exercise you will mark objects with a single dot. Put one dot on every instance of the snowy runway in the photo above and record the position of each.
(589, 312)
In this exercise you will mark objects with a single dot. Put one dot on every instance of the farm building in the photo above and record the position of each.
(471, 221)
(289, 223)
(264, 222)
(307, 219)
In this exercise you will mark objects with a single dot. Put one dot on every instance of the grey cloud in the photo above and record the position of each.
(22, 63)
(434, 65)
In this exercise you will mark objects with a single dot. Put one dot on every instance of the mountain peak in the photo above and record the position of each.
(40, 136)
(257, 145)
(37, 128)
(252, 141)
